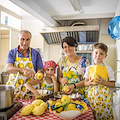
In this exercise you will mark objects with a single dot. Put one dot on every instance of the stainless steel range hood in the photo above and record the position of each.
(83, 34)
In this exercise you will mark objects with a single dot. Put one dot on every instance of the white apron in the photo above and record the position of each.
(18, 80)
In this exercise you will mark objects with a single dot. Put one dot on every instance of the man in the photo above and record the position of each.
(22, 64)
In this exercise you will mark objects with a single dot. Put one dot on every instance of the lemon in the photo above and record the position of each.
(28, 80)
(12, 79)
(30, 65)
(57, 104)
(26, 97)
(27, 110)
(20, 65)
(23, 74)
(58, 100)
(11, 75)
(17, 58)
(23, 88)
(16, 84)
(37, 102)
(38, 97)
(20, 96)
(94, 76)
(29, 59)
(44, 104)
(65, 98)
(65, 89)
(21, 81)
(59, 110)
(15, 95)
(24, 59)
(38, 110)
(39, 76)
(72, 105)
(71, 108)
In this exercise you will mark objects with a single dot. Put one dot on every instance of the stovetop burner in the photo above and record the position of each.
(5, 114)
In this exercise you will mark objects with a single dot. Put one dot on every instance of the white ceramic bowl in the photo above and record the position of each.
(71, 114)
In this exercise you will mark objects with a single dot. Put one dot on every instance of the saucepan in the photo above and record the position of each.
(6, 96)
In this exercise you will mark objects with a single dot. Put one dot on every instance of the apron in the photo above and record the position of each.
(18, 80)
(47, 86)
(70, 71)
(100, 96)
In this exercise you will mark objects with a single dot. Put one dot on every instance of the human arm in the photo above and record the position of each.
(76, 85)
(62, 80)
(100, 80)
(29, 85)
(37, 60)
(54, 79)
(111, 82)
(88, 82)
(14, 70)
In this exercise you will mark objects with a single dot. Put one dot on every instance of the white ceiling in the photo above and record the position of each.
(50, 11)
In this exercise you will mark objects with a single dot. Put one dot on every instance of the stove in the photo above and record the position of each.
(5, 114)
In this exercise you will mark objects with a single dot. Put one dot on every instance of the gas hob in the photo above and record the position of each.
(5, 114)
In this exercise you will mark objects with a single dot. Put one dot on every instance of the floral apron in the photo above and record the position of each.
(18, 80)
(71, 73)
(100, 96)
(47, 86)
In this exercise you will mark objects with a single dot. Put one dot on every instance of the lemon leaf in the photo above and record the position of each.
(64, 103)
(65, 107)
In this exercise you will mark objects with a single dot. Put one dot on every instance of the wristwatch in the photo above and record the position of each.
(74, 85)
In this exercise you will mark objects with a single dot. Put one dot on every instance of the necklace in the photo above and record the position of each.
(72, 65)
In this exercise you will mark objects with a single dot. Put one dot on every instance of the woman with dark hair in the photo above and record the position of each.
(71, 67)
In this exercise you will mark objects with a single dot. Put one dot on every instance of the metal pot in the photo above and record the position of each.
(6, 96)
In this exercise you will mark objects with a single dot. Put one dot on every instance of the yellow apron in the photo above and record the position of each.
(18, 80)
(96, 70)
(99, 96)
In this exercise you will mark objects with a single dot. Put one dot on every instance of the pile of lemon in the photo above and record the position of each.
(66, 104)
(37, 107)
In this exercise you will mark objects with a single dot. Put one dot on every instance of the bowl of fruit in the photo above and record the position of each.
(67, 108)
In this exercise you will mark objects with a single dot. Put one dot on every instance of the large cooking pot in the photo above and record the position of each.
(6, 96)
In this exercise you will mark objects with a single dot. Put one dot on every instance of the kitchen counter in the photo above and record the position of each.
(88, 115)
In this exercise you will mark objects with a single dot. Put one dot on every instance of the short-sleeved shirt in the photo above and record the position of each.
(109, 70)
(35, 56)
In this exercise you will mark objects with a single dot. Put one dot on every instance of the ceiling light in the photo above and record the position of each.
(76, 5)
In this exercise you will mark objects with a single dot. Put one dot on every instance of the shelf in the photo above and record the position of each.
(84, 51)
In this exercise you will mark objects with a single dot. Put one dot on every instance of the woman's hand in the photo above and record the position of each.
(64, 81)
(71, 88)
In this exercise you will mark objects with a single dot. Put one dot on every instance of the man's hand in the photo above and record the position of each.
(29, 73)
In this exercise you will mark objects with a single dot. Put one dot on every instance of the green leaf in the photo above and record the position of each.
(65, 102)
(66, 106)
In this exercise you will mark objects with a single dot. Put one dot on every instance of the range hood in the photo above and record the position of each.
(84, 34)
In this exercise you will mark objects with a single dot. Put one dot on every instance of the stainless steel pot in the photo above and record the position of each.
(6, 96)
